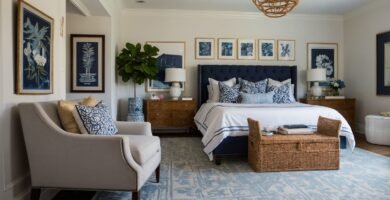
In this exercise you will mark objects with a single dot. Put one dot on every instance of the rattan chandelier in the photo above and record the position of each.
(275, 8)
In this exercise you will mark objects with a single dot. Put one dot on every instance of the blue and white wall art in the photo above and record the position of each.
(226, 48)
(87, 58)
(35, 51)
(323, 55)
(267, 49)
(204, 48)
(246, 49)
(286, 50)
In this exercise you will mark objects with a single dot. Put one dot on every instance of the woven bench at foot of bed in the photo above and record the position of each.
(295, 152)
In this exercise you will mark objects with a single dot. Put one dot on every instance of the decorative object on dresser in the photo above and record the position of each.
(295, 152)
(383, 63)
(275, 8)
(34, 74)
(335, 86)
(246, 49)
(345, 107)
(87, 63)
(323, 55)
(227, 48)
(316, 75)
(171, 55)
(176, 76)
(169, 115)
(267, 49)
(133, 63)
(204, 48)
(286, 50)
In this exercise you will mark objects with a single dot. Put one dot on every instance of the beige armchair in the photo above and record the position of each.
(59, 159)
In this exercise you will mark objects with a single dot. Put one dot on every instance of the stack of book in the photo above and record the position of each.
(295, 129)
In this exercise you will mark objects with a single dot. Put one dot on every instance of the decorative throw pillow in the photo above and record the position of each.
(228, 94)
(273, 83)
(214, 88)
(282, 93)
(257, 98)
(95, 120)
(253, 87)
(65, 109)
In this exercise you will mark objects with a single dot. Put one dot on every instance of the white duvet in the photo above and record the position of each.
(217, 121)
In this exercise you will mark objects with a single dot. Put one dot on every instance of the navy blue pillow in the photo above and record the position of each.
(228, 94)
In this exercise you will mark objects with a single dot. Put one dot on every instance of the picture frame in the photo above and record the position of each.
(323, 55)
(87, 63)
(171, 54)
(286, 50)
(34, 65)
(227, 48)
(267, 49)
(204, 48)
(383, 63)
(246, 49)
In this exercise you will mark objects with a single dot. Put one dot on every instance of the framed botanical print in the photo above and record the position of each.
(286, 50)
(170, 55)
(34, 74)
(323, 55)
(267, 49)
(204, 48)
(226, 48)
(246, 49)
(87, 63)
(383, 63)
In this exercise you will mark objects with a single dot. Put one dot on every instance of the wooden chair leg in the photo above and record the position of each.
(35, 193)
(135, 195)
(158, 174)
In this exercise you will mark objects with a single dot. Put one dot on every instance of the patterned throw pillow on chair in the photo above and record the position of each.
(95, 120)
(229, 94)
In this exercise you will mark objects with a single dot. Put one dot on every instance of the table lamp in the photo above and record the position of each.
(175, 75)
(316, 75)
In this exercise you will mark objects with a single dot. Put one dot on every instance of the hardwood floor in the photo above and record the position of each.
(361, 142)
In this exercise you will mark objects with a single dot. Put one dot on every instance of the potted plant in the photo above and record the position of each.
(137, 63)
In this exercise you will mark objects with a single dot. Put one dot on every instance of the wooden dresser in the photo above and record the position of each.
(345, 107)
(170, 115)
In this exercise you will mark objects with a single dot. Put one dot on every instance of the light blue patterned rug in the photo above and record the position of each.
(186, 173)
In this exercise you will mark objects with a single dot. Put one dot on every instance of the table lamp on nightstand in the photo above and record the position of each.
(175, 75)
(316, 75)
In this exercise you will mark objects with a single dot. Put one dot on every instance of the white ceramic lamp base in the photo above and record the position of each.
(175, 91)
(316, 90)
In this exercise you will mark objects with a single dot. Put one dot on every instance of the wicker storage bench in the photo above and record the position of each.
(294, 152)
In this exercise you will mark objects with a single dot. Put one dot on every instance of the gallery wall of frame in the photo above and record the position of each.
(244, 49)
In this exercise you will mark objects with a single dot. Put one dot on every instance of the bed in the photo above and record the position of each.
(227, 136)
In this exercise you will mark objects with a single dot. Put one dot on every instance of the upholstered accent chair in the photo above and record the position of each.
(63, 160)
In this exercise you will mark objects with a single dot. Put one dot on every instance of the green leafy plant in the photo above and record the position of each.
(137, 63)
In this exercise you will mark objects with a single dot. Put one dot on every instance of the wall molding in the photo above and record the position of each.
(81, 6)
(226, 14)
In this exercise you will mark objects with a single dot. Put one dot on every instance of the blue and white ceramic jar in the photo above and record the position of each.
(135, 110)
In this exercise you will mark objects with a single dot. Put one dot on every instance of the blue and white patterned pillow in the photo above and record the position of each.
(253, 87)
(282, 93)
(95, 120)
(257, 98)
(228, 94)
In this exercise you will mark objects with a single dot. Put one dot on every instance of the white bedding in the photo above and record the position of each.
(217, 121)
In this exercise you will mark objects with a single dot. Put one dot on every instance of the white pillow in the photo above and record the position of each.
(214, 88)
(272, 82)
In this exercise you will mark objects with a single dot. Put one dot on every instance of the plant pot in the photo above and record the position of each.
(135, 110)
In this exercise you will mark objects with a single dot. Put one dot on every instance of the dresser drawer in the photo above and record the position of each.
(338, 104)
(183, 119)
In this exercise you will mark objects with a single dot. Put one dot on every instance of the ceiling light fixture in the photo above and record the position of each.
(275, 8)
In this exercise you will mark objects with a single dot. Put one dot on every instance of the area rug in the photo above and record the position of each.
(186, 174)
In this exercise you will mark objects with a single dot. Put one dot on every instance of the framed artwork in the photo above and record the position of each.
(87, 63)
(34, 74)
(323, 55)
(267, 49)
(383, 64)
(286, 50)
(170, 55)
(246, 49)
(204, 48)
(226, 48)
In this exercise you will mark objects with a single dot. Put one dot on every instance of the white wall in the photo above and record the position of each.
(360, 30)
(101, 25)
(14, 170)
(174, 25)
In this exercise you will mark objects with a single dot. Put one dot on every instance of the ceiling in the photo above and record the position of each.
(325, 7)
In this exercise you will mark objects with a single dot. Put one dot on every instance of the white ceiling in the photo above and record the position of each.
(328, 7)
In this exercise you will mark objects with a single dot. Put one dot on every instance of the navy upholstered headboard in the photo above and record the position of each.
(248, 72)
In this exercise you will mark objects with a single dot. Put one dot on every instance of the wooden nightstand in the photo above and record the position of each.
(345, 107)
(170, 115)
